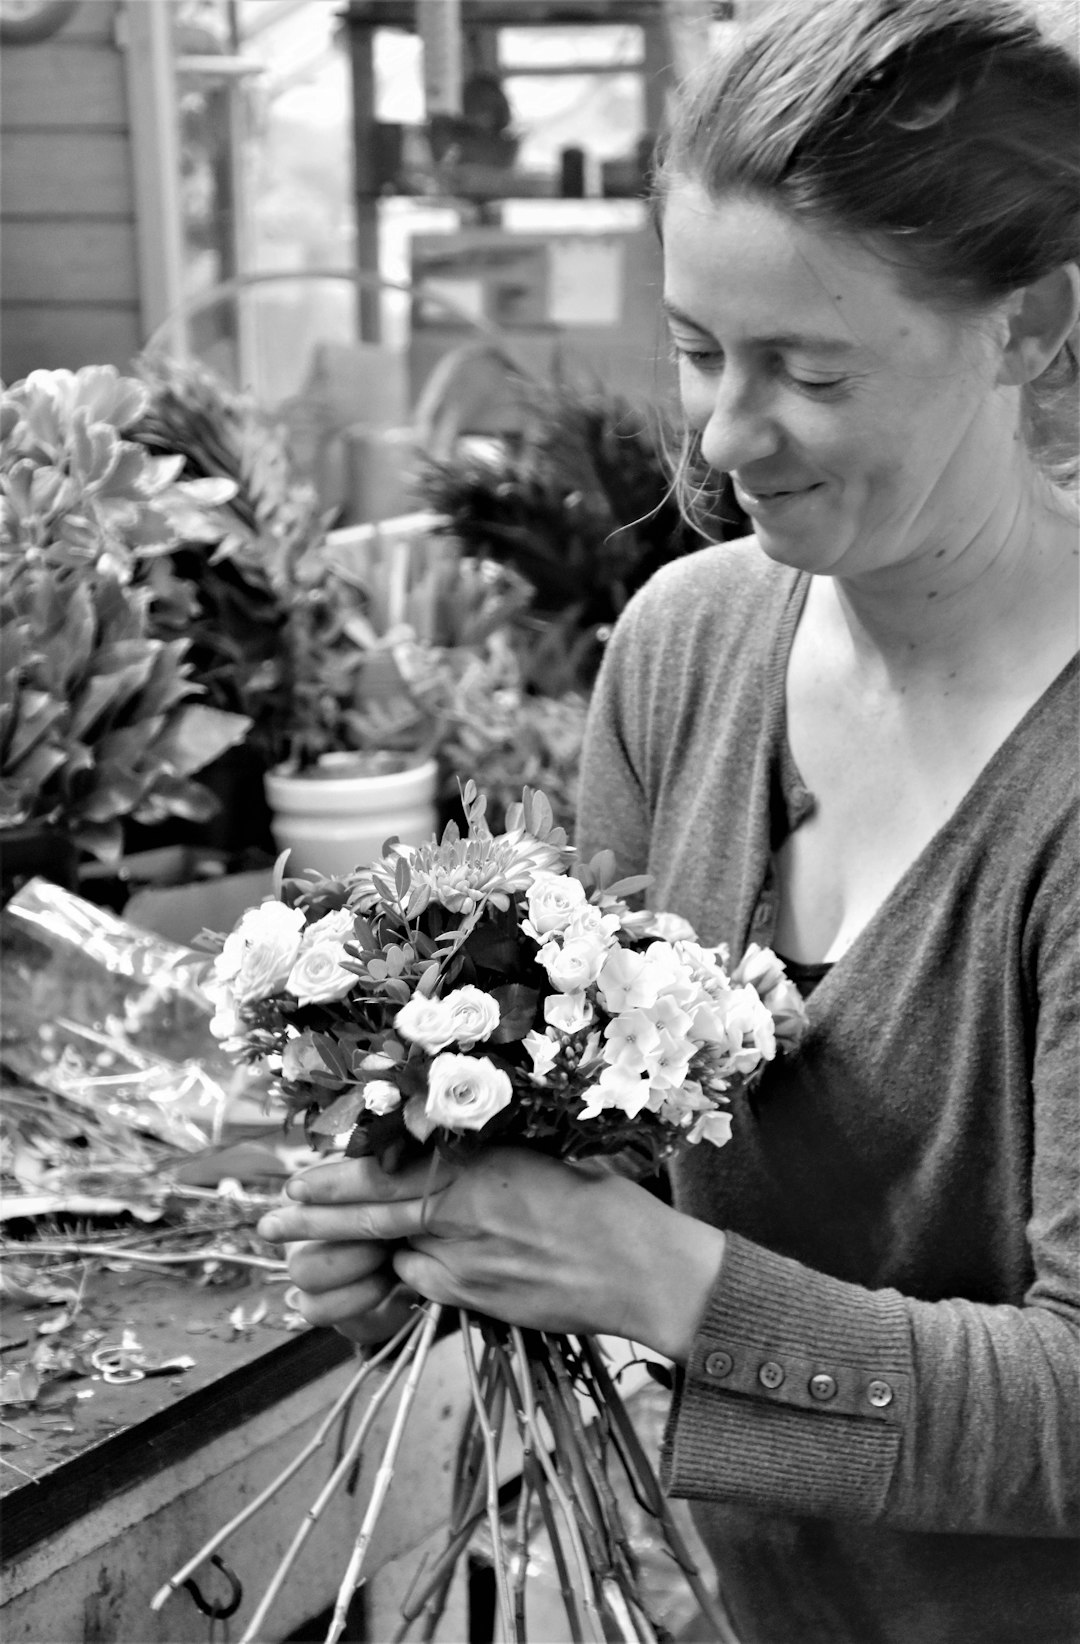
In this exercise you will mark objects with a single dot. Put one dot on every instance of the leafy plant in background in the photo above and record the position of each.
(230, 583)
(397, 633)
(583, 511)
(97, 717)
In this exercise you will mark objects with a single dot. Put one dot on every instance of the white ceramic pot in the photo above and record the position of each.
(337, 823)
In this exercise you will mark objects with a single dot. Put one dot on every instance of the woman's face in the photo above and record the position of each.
(862, 429)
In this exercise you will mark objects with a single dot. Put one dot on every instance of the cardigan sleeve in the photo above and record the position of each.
(807, 1394)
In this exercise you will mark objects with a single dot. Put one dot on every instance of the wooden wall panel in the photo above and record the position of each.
(34, 338)
(69, 262)
(68, 269)
(53, 85)
(94, 20)
(67, 174)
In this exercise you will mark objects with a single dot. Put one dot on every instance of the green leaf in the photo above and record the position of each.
(105, 841)
(176, 796)
(197, 735)
(629, 887)
(341, 1115)
(330, 1051)
(38, 713)
(517, 1012)
(34, 771)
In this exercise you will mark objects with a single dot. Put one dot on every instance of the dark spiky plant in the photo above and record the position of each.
(582, 508)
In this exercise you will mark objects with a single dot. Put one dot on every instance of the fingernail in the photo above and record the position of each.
(271, 1227)
(298, 1189)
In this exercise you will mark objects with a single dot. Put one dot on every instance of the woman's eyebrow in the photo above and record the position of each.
(818, 342)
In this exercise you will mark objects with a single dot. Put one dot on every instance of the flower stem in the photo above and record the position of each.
(711, 1605)
(384, 1475)
(340, 1472)
(507, 1616)
(271, 1490)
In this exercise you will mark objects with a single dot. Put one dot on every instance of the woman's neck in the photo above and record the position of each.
(971, 600)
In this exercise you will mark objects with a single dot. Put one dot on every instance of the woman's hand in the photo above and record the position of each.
(352, 1285)
(512, 1234)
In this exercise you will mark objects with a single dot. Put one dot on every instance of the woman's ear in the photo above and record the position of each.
(1040, 318)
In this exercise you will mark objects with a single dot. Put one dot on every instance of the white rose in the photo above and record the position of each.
(464, 1092)
(380, 1096)
(573, 965)
(553, 899)
(318, 976)
(588, 920)
(271, 936)
(426, 1022)
(300, 1059)
(474, 1015)
(544, 1050)
(339, 926)
(569, 1012)
(670, 927)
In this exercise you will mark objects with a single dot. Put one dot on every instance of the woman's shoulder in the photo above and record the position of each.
(718, 584)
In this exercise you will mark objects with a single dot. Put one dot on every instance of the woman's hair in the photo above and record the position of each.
(944, 133)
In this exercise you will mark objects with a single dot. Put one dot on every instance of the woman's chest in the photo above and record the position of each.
(888, 769)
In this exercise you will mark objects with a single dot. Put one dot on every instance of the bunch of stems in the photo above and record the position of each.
(543, 1406)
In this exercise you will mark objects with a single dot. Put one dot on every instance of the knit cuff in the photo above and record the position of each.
(796, 1393)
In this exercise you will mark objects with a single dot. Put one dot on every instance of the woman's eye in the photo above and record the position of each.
(702, 359)
(818, 385)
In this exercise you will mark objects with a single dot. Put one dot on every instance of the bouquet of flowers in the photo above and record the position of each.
(493, 989)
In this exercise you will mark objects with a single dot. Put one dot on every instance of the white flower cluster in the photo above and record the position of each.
(670, 1029)
(271, 951)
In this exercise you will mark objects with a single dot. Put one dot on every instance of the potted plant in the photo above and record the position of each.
(386, 623)
(228, 582)
(100, 719)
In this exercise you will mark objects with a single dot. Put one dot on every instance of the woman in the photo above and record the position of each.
(852, 737)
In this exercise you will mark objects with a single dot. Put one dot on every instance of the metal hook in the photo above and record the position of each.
(218, 1612)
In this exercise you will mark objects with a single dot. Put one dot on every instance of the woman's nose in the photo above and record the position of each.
(738, 429)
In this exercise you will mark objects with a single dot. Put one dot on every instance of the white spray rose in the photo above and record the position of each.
(553, 900)
(380, 1096)
(574, 964)
(259, 954)
(474, 1015)
(464, 1092)
(319, 976)
(426, 1022)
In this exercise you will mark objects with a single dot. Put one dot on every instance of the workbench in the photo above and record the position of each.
(119, 1484)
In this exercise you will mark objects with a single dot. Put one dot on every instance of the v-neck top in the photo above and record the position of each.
(880, 1417)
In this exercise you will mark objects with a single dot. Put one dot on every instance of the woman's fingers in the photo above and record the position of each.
(395, 1219)
(344, 1181)
(349, 1301)
(367, 1312)
(316, 1266)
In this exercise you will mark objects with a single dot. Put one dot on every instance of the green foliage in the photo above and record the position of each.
(96, 717)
